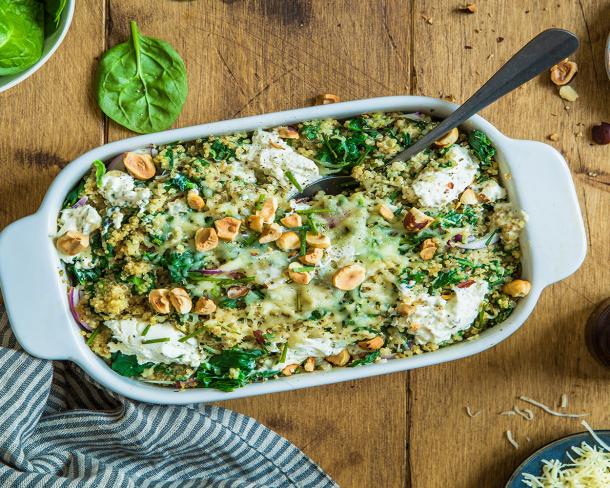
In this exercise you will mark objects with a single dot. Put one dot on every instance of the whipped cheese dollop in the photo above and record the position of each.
(310, 347)
(491, 190)
(119, 190)
(129, 334)
(272, 156)
(435, 187)
(435, 320)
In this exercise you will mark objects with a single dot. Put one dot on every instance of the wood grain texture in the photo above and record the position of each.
(249, 57)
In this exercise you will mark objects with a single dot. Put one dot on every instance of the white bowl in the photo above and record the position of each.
(553, 246)
(51, 43)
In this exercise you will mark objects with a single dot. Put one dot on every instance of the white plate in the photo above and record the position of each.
(539, 182)
(51, 44)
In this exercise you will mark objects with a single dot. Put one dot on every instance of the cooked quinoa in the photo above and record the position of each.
(191, 264)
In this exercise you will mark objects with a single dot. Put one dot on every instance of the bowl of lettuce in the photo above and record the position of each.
(30, 32)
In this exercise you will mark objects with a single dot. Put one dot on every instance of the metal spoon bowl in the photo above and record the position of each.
(541, 53)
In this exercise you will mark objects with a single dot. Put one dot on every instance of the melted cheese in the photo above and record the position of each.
(119, 190)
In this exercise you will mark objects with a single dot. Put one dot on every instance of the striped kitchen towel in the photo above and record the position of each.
(59, 429)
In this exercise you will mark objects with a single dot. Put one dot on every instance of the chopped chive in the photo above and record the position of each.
(491, 236)
(93, 335)
(293, 180)
(312, 223)
(259, 202)
(303, 249)
(284, 353)
(304, 269)
(308, 211)
(192, 334)
(221, 281)
(146, 329)
(155, 341)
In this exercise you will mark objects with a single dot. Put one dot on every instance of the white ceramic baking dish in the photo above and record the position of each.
(539, 182)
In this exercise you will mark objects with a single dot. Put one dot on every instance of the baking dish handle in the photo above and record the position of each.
(38, 313)
(555, 228)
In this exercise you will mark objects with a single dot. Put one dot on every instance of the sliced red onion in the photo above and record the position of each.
(73, 299)
(117, 163)
(80, 202)
(416, 116)
(465, 284)
(482, 242)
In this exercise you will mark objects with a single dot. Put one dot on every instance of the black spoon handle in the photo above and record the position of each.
(543, 51)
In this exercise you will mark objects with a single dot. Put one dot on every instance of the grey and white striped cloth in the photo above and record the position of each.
(59, 429)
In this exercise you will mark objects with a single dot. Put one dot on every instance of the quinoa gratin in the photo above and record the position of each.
(191, 265)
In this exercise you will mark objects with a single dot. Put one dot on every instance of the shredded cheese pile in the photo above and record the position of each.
(590, 468)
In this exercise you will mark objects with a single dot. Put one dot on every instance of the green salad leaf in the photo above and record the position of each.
(142, 84)
(368, 359)
(127, 365)
(21, 35)
(100, 171)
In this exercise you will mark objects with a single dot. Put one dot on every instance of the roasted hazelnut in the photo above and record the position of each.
(72, 242)
(449, 138)
(292, 220)
(206, 239)
(372, 344)
(318, 240)
(312, 257)
(468, 197)
(349, 277)
(289, 369)
(227, 228)
(271, 232)
(310, 364)
(180, 300)
(517, 288)
(194, 200)
(386, 212)
(563, 72)
(299, 277)
(416, 220)
(237, 291)
(340, 359)
(159, 300)
(428, 249)
(204, 306)
(267, 211)
(288, 133)
(255, 222)
(139, 165)
(327, 98)
(288, 241)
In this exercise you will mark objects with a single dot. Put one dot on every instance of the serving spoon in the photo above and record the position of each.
(541, 53)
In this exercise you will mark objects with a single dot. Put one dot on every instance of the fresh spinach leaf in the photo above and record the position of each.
(220, 152)
(446, 278)
(142, 84)
(181, 183)
(481, 146)
(52, 14)
(127, 365)
(179, 264)
(74, 195)
(21, 35)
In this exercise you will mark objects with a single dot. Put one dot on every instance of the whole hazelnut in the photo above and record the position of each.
(601, 133)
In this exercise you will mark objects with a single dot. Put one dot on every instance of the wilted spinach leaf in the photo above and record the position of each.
(142, 84)
(127, 365)
(21, 35)
(481, 146)
(368, 359)
(231, 369)
(181, 183)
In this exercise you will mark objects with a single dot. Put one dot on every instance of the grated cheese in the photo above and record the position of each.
(470, 414)
(526, 413)
(551, 411)
(509, 436)
(590, 468)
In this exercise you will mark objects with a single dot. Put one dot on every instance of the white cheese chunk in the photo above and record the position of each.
(435, 320)
(129, 334)
(270, 155)
(84, 219)
(119, 190)
(435, 187)
(310, 347)
(491, 190)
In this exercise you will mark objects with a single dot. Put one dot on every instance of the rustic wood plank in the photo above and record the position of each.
(49, 119)
(547, 357)
(250, 57)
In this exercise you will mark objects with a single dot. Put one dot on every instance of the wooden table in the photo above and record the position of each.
(246, 58)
